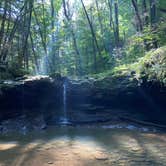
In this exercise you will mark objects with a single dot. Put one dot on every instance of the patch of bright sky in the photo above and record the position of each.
(72, 3)
(86, 2)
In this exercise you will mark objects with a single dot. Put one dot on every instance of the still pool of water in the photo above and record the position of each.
(83, 146)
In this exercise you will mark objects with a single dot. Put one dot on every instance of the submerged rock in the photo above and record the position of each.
(101, 156)
(50, 162)
(22, 124)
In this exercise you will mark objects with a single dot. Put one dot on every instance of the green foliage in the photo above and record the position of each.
(152, 66)
(15, 70)
(155, 65)
(53, 37)
(133, 49)
(161, 32)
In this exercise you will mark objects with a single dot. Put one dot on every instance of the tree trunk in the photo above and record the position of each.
(99, 16)
(75, 45)
(40, 32)
(145, 12)
(112, 26)
(91, 28)
(116, 24)
(135, 5)
(152, 12)
(5, 50)
(100, 24)
(94, 48)
(3, 28)
(153, 20)
(27, 32)
(34, 53)
(53, 40)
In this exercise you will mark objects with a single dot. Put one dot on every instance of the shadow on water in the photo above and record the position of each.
(83, 146)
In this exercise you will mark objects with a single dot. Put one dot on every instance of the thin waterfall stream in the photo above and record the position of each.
(65, 118)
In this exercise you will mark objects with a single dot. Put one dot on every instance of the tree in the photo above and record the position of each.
(68, 16)
(139, 21)
(116, 24)
(91, 28)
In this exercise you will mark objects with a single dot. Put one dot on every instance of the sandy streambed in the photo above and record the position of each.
(83, 146)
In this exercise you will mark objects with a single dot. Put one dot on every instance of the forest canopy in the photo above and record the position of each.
(77, 37)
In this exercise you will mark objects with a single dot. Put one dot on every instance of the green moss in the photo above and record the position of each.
(152, 66)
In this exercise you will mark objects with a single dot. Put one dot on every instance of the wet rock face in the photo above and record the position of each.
(39, 94)
(17, 97)
(79, 91)
(116, 92)
(102, 91)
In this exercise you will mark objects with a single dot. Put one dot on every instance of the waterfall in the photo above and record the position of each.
(65, 119)
(64, 101)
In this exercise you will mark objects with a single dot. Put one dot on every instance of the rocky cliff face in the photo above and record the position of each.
(117, 92)
(16, 97)
(43, 93)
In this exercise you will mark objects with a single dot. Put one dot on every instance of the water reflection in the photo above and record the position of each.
(7, 145)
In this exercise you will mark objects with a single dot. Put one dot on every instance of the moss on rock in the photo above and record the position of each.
(151, 67)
